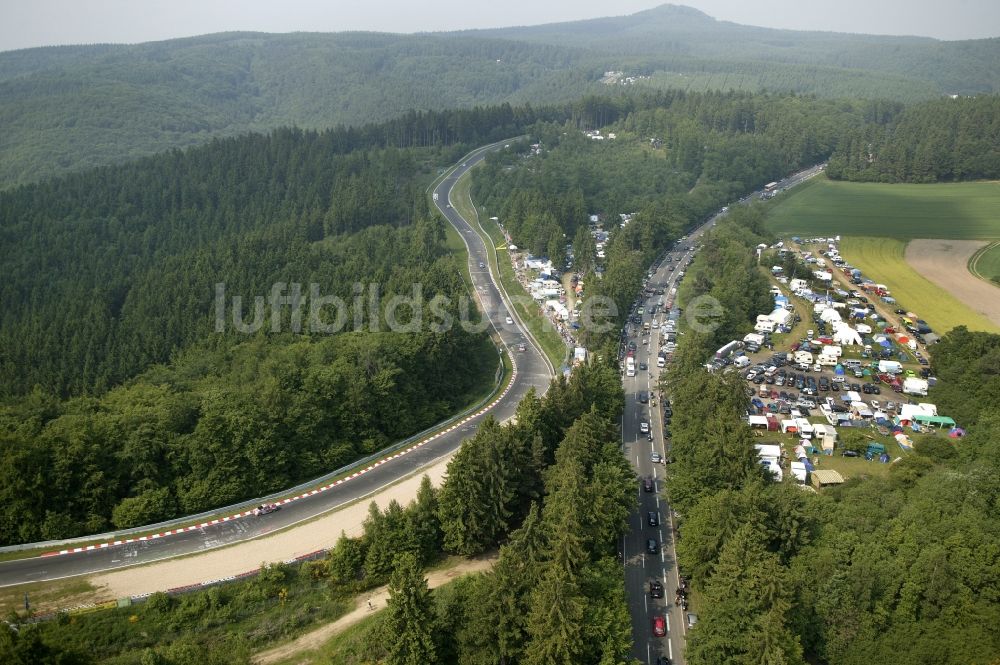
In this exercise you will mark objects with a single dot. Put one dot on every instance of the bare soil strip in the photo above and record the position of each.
(364, 606)
(945, 262)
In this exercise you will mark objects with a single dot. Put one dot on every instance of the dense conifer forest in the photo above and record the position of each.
(944, 140)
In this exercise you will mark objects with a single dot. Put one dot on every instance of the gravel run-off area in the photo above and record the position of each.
(321, 533)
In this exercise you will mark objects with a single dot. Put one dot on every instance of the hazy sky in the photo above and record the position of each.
(25, 23)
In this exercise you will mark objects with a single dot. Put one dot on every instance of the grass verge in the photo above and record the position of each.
(539, 325)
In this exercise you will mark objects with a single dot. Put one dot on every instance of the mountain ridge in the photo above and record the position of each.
(69, 107)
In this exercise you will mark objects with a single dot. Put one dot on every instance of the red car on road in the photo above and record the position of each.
(659, 626)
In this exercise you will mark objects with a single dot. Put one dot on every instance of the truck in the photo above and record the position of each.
(826, 360)
(889, 367)
(803, 358)
(915, 386)
(727, 350)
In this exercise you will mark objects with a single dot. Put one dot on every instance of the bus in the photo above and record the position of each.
(770, 187)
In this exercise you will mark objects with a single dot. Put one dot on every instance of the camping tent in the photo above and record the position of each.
(845, 335)
(830, 315)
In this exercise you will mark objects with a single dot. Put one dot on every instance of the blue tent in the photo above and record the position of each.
(886, 342)
(839, 370)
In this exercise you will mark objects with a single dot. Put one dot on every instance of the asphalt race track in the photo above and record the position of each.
(533, 371)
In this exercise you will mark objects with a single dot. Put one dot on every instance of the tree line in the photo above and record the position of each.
(888, 570)
(943, 140)
(125, 405)
(550, 489)
(685, 155)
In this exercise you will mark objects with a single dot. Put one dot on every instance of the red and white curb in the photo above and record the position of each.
(319, 490)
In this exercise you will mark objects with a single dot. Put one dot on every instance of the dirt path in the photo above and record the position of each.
(364, 605)
(321, 533)
(944, 262)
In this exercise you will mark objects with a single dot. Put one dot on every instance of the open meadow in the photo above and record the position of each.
(916, 239)
(884, 260)
(964, 211)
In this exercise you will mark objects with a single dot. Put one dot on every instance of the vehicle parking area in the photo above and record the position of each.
(837, 373)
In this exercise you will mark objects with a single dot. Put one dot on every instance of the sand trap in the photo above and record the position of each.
(321, 533)
(944, 262)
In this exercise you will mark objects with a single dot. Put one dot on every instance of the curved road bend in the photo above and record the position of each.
(533, 371)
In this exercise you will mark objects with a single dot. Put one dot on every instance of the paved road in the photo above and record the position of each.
(641, 566)
(534, 371)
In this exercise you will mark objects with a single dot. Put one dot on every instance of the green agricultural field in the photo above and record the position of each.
(968, 210)
(882, 260)
(985, 264)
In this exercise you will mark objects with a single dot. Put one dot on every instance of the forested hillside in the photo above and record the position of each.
(938, 141)
(889, 570)
(963, 67)
(71, 107)
(550, 489)
(711, 149)
(66, 108)
(110, 297)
